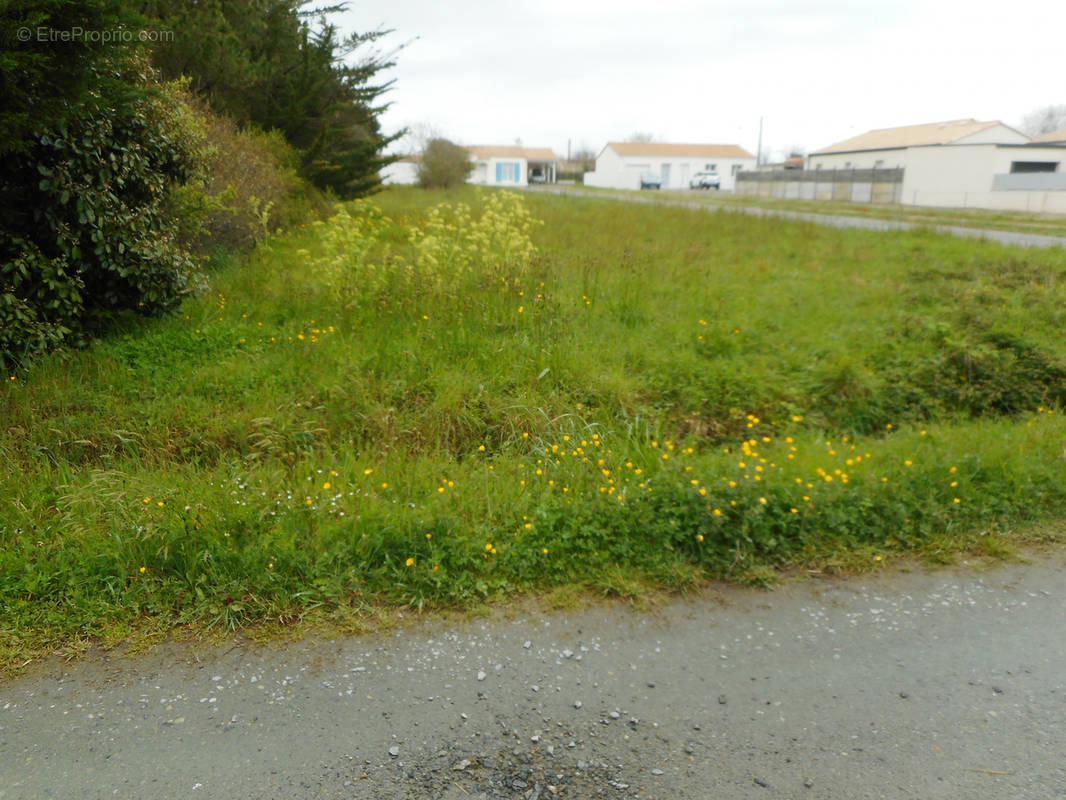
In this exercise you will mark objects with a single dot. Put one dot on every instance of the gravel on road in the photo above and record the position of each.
(949, 684)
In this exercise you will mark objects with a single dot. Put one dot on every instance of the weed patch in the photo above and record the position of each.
(440, 406)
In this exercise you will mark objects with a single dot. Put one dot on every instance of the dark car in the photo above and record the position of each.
(649, 180)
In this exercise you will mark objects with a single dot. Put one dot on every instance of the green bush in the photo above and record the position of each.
(86, 229)
(443, 165)
(283, 66)
(246, 183)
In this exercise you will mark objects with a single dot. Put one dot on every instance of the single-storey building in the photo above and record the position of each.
(511, 165)
(890, 148)
(620, 164)
(960, 163)
(401, 172)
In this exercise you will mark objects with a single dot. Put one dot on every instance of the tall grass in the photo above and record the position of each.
(653, 397)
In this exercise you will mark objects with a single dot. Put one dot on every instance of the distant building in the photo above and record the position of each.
(620, 164)
(511, 165)
(960, 163)
(892, 147)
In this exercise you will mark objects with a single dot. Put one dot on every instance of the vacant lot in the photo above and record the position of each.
(981, 219)
(426, 405)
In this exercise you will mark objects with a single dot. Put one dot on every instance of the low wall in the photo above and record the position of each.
(1029, 182)
(1035, 192)
(1034, 202)
(612, 181)
(840, 185)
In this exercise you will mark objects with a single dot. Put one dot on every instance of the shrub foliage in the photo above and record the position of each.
(443, 165)
(283, 66)
(85, 231)
(109, 176)
(246, 184)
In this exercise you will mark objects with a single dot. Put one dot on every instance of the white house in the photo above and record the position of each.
(402, 172)
(619, 164)
(960, 163)
(511, 165)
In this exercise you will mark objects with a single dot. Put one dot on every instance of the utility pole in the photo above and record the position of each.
(758, 153)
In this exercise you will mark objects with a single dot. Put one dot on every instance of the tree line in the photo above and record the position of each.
(136, 138)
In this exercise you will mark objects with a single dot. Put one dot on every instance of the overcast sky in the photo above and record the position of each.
(818, 71)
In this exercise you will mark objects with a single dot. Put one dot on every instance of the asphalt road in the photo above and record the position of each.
(1017, 239)
(903, 685)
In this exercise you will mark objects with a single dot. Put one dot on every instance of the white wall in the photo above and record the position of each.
(864, 159)
(400, 172)
(962, 177)
(948, 175)
(997, 134)
(959, 176)
(610, 173)
(683, 168)
(1005, 155)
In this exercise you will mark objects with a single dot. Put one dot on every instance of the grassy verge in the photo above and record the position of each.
(982, 219)
(353, 418)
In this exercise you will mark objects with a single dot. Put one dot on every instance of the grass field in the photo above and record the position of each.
(981, 219)
(439, 408)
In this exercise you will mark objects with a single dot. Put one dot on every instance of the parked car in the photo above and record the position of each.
(705, 180)
(649, 180)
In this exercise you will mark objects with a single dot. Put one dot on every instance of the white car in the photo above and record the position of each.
(705, 180)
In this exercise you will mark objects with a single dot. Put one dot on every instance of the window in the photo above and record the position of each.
(711, 167)
(1034, 166)
(879, 164)
(736, 169)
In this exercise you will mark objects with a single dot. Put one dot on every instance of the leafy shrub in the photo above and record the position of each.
(42, 80)
(246, 183)
(86, 223)
(443, 165)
